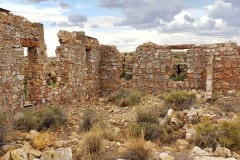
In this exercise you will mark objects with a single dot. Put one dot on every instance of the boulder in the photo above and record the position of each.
(19, 154)
(58, 154)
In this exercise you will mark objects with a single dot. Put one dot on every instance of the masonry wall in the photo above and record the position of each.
(152, 68)
(86, 70)
(226, 65)
(110, 69)
(213, 68)
(15, 33)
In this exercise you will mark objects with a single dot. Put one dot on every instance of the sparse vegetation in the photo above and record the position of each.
(206, 135)
(2, 129)
(137, 151)
(42, 119)
(126, 76)
(145, 115)
(89, 117)
(230, 134)
(155, 131)
(125, 97)
(135, 131)
(92, 145)
(180, 100)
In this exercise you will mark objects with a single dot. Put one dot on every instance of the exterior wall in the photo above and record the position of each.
(226, 65)
(213, 68)
(15, 33)
(152, 68)
(110, 69)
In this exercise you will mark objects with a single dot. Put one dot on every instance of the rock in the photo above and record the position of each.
(10, 147)
(29, 149)
(59, 144)
(182, 142)
(122, 150)
(19, 154)
(7, 156)
(198, 151)
(32, 134)
(116, 130)
(191, 113)
(170, 112)
(42, 140)
(222, 152)
(190, 131)
(58, 154)
(165, 156)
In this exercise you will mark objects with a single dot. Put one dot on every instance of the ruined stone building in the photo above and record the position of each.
(213, 68)
(86, 70)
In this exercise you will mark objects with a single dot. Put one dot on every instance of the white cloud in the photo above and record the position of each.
(36, 14)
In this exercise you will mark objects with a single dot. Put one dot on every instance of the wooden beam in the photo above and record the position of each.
(182, 46)
(29, 42)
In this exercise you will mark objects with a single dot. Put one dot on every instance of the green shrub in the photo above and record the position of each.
(146, 116)
(125, 97)
(2, 129)
(42, 119)
(230, 134)
(180, 100)
(137, 151)
(92, 143)
(89, 117)
(206, 135)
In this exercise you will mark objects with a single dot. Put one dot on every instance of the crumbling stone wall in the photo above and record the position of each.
(15, 33)
(213, 68)
(152, 68)
(226, 65)
(86, 70)
(110, 69)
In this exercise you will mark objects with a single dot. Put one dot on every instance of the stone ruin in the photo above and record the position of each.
(213, 68)
(86, 70)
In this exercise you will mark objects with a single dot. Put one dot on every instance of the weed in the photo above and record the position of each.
(180, 100)
(89, 117)
(125, 97)
(146, 116)
(206, 135)
(92, 144)
(230, 134)
(135, 131)
(2, 129)
(42, 119)
(137, 151)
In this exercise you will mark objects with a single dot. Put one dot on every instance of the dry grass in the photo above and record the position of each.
(137, 151)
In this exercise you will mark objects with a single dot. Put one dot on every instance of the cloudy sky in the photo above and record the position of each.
(129, 23)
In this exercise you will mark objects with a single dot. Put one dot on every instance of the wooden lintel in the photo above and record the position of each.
(182, 46)
(29, 42)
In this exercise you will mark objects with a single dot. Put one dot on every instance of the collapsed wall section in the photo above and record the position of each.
(110, 69)
(15, 33)
(71, 57)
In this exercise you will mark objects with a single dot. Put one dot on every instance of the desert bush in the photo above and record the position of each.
(92, 143)
(229, 134)
(137, 151)
(206, 135)
(45, 118)
(125, 97)
(146, 115)
(89, 117)
(135, 131)
(2, 129)
(180, 100)
(155, 131)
